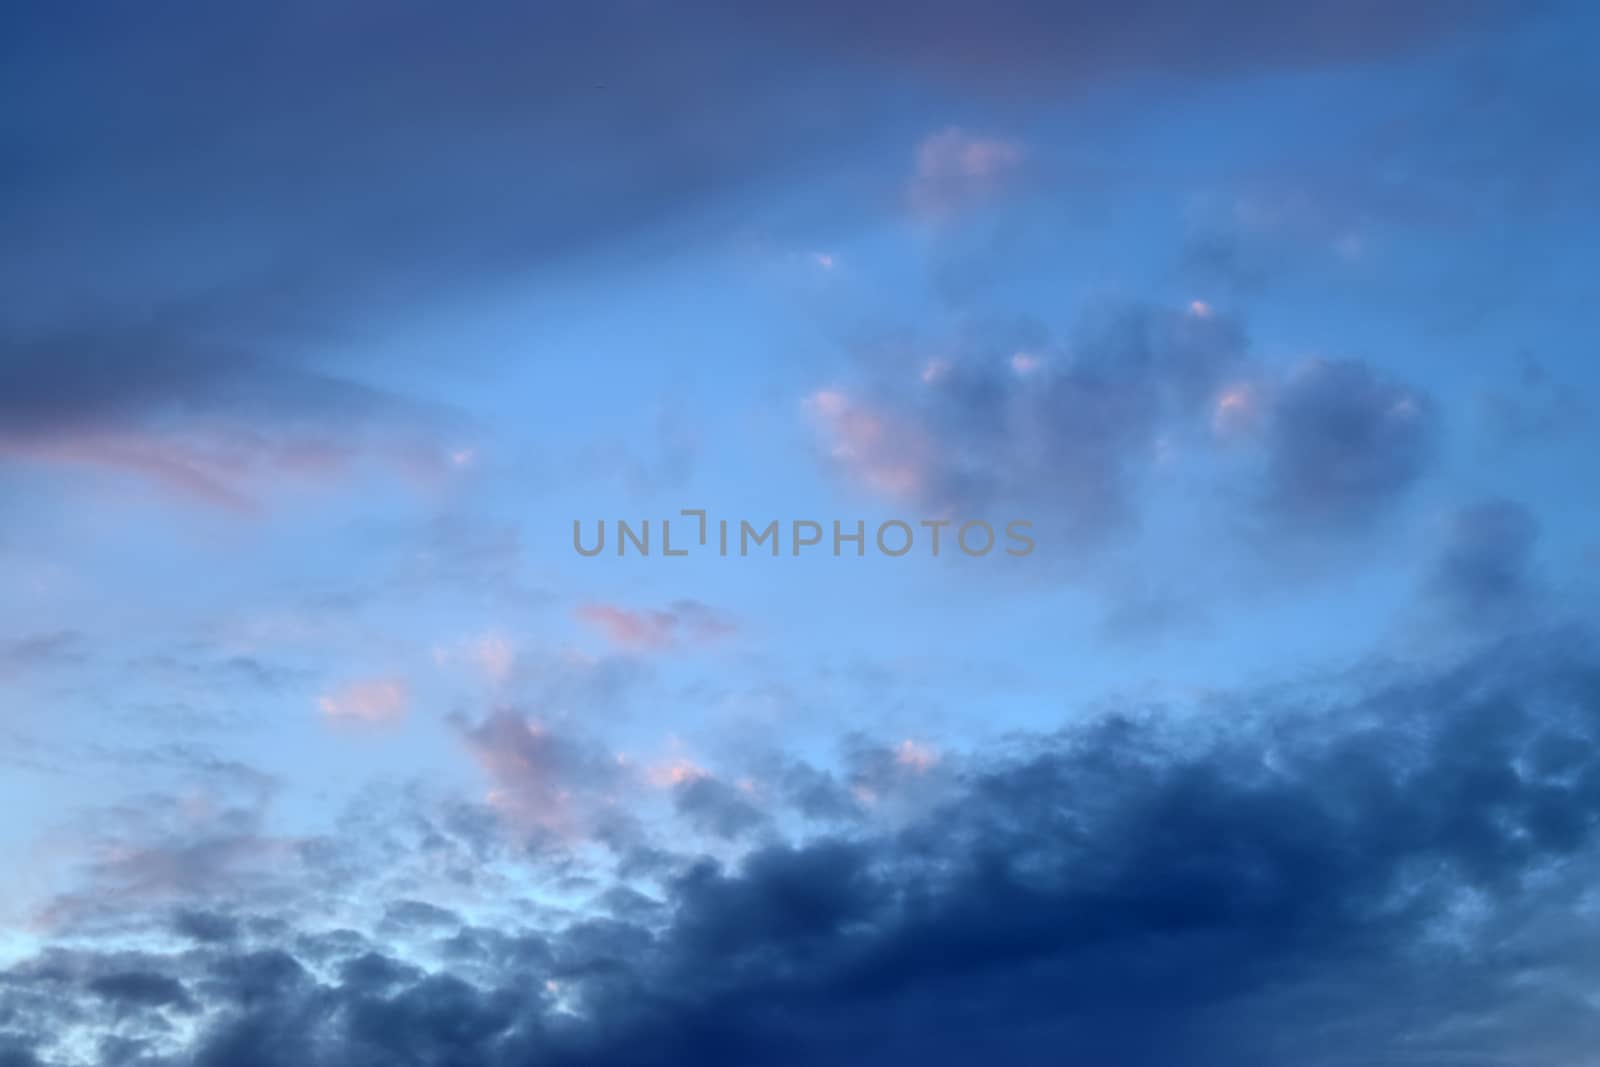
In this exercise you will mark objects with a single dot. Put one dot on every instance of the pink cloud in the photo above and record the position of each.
(870, 445)
(542, 779)
(231, 469)
(684, 621)
(1237, 410)
(675, 772)
(954, 169)
(370, 701)
(916, 756)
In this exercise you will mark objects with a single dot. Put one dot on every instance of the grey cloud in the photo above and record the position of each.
(141, 989)
(715, 807)
(256, 977)
(207, 927)
(1345, 445)
(818, 794)
(407, 914)
(17, 1054)
(376, 972)
(1483, 574)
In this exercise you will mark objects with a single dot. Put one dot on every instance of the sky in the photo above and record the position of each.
(1260, 336)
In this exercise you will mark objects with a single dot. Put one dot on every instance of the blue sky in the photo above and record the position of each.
(321, 744)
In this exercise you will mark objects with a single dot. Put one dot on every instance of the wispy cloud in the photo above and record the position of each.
(367, 701)
(955, 169)
(684, 622)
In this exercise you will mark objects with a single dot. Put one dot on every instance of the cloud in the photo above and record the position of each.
(683, 622)
(1345, 444)
(206, 927)
(545, 781)
(1140, 405)
(224, 276)
(1530, 408)
(1064, 443)
(1059, 50)
(715, 807)
(955, 169)
(225, 469)
(1211, 889)
(367, 701)
(878, 449)
(1483, 572)
(135, 989)
(202, 400)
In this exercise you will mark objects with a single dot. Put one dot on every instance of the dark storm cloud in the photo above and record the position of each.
(1395, 876)
(1483, 572)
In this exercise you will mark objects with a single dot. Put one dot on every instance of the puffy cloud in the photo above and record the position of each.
(883, 452)
(1064, 442)
(544, 780)
(1345, 444)
(1137, 889)
(715, 807)
(917, 756)
(1071, 438)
